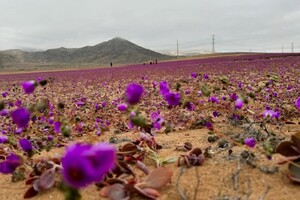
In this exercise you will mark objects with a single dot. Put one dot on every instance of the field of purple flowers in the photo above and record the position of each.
(212, 128)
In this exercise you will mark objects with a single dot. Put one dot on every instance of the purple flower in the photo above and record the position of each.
(154, 84)
(214, 99)
(233, 96)
(50, 138)
(240, 85)
(205, 76)
(10, 164)
(189, 106)
(19, 131)
(154, 116)
(29, 86)
(298, 103)
(84, 164)
(250, 142)
(51, 120)
(173, 99)
(271, 113)
(104, 104)
(4, 94)
(80, 103)
(163, 88)
(268, 113)
(57, 127)
(194, 75)
(11, 104)
(3, 139)
(209, 126)
(134, 93)
(130, 125)
(215, 113)
(18, 103)
(122, 107)
(157, 120)
(238, 104)
(4, 113)
(25, 144)
(21, 117)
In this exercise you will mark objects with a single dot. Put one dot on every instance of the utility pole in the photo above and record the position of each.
(177, 49)
(282, 49)
(213, 44)
(292, 47)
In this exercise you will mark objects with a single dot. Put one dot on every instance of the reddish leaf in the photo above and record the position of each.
(30, 193)
(31, 180)
(147, 192)
(141, 166)
(296, 139)
(287, 148)
(291, 177)
(157, 178)
(128, 148)
(104, 192)
(152, 192)
(117, 192)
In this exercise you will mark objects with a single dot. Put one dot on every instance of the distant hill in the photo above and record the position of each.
(117, 50)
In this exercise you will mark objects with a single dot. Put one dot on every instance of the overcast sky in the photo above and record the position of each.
(238, 25)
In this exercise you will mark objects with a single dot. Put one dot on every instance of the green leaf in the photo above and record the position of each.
(138, 121)
(205, 91)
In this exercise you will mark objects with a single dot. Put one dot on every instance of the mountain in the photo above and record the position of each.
(117, 51)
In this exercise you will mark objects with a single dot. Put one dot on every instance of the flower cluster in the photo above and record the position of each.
(157, 120)
(172, 98)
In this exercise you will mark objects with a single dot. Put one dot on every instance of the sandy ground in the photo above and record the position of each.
(215, 175)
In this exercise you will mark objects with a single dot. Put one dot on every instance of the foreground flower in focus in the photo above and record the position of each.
(84, 164)
(250, 142)
(10, 164)
(28, 86)
(134, 93)
(21, 117)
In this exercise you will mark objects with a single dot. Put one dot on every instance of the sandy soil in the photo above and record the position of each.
(215, 175)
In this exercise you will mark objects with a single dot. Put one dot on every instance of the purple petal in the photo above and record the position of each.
(28, 86)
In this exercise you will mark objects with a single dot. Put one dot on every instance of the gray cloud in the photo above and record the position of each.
(259, 25)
